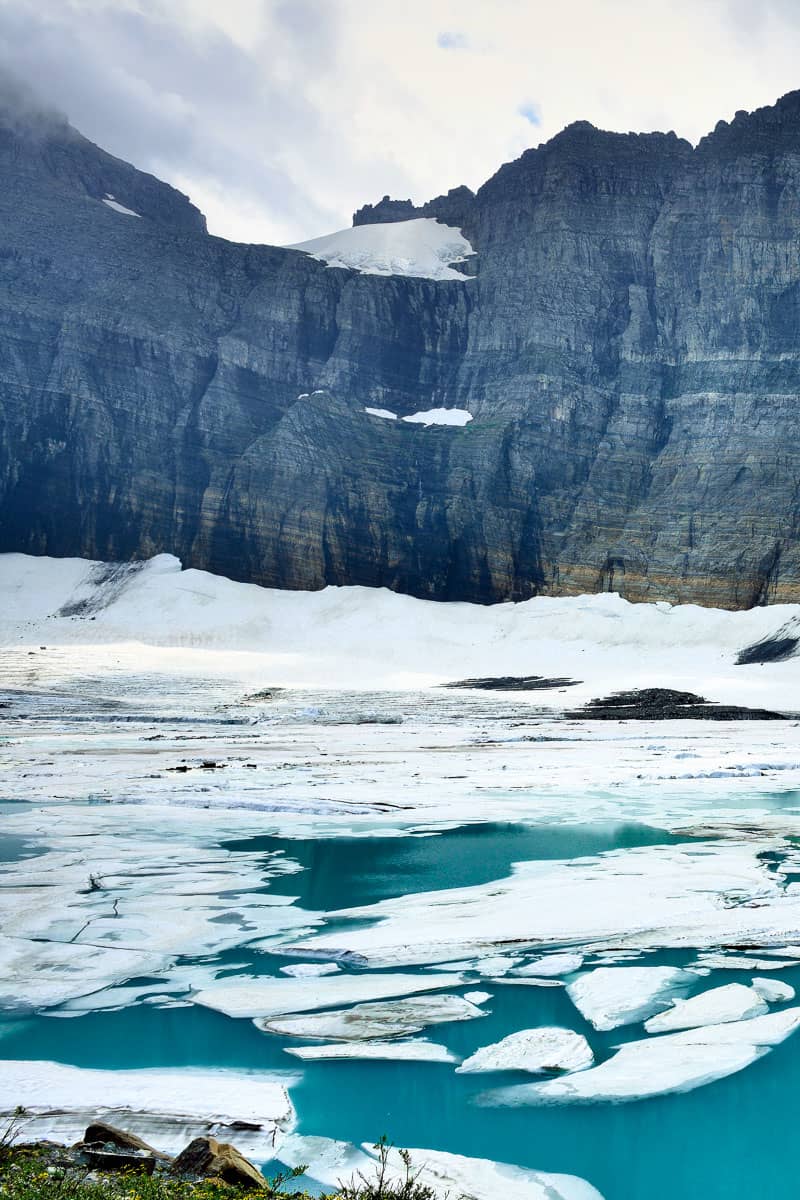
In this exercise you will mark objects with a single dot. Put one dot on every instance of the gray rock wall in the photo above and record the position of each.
(628, 349)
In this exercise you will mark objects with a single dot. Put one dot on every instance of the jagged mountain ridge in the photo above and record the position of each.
(628, 349)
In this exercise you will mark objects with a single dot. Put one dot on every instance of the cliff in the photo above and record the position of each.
(629, 349)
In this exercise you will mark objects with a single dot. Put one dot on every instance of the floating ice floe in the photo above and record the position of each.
(773, 990)
(580, 901)
(448, 1175)
(731, 1002)
(545, 1049)
(741, 962)
(612, 996)
(393, 1018)
(495, 965)
(165, 1107)
(424, 248)
(477, 997)
(676, 1062)
(550, 965)
(264, 997)
(311, 970)
(414, 1050)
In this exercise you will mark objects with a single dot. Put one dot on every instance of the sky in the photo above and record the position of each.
(280, 117)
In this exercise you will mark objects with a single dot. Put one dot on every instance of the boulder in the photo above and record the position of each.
(100, 1134)
(118, 1160)
(210, 1159)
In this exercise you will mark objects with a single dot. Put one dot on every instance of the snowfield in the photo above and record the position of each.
(155, 720)
(424, 248)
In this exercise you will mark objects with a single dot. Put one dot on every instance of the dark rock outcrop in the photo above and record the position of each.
(665, 704)
(629, 350)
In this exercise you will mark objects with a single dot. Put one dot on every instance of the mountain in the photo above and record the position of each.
(624, 345)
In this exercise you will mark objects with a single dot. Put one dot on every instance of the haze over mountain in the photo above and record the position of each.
(622, 346)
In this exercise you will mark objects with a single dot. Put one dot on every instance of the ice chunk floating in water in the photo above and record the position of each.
(613, 996)
(677, 1062)
(274, 997)
(416, 1049)
(732, 1002)
(394, 1018)
(545, 1049)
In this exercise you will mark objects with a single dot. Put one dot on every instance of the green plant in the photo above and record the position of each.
(385, 1185)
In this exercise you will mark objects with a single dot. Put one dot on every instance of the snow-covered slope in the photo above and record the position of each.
(423, 247)
(365, 638)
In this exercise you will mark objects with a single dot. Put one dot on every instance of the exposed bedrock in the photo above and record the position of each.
(628, 349)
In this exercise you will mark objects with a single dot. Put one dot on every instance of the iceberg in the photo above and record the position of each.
(773, 990)
(394, 1018)
(676, 1062)
(611, 996)
(545, 1049)
(414, 1050)
(731, 1002)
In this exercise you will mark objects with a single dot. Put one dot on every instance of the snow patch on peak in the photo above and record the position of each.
(423, 248)
(120, 208)
(440, 416)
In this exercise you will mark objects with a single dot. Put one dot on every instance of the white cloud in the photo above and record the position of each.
(280, 117)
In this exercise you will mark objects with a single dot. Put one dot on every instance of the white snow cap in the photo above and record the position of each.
(423, 248)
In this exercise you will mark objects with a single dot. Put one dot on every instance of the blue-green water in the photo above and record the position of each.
(731, 1140)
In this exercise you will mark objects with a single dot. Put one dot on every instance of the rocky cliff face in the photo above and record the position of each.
(629, 349)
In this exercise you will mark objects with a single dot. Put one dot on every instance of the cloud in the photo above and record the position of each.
(452, 41)
(280, 117)
(531, 113)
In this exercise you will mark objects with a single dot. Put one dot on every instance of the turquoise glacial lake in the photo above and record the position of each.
(731, 1140)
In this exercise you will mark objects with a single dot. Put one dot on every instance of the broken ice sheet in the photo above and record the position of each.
(392, 1018)
(655, 1066)
(264, 997)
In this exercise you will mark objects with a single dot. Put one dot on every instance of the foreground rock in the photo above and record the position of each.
(207, 1158)
(101, 1134)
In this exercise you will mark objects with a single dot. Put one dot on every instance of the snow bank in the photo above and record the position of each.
(166, 1107)
(424, 248)
(373, 638)
(534, 1050)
